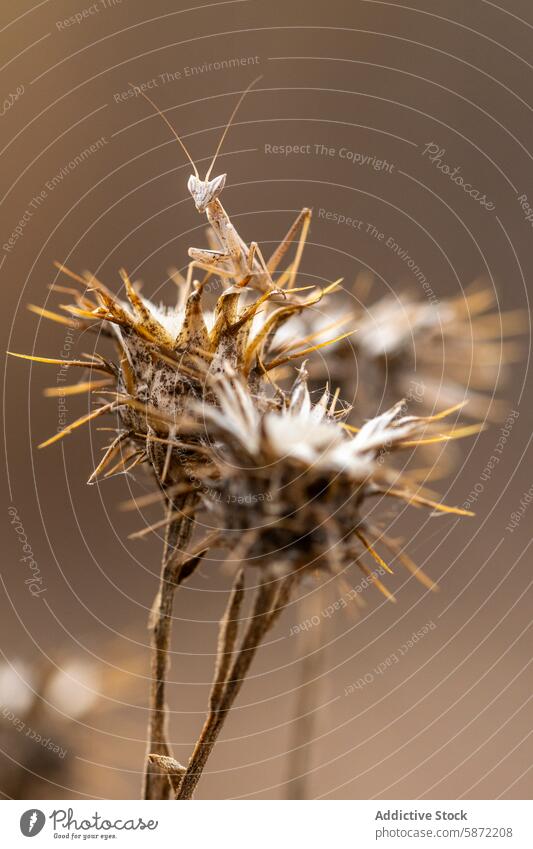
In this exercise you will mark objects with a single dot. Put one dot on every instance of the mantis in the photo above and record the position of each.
(230, 257)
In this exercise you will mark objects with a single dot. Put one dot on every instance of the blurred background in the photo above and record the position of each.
(363, 112)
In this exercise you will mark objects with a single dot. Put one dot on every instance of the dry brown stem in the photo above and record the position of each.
(302, 729)
(178, 533)
(270, 599)
(171, 768)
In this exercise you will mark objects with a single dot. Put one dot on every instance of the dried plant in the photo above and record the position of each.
(439, 353)
(199, 399)
(165, 359)
(293, 483)
(434, 352)
(297, 466)
(310, 673)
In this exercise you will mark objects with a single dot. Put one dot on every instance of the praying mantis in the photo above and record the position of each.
(230, 257)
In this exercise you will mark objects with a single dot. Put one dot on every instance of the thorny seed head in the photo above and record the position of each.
(194, 400)
(293, 482)
(168, 357)
(444, 352)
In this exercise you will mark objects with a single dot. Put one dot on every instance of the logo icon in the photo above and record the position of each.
(32, 822)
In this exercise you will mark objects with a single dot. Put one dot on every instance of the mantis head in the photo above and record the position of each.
(205, 191)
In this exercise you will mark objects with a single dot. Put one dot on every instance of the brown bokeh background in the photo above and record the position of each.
(451, 718)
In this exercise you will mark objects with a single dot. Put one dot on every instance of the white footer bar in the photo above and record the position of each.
(269, 824)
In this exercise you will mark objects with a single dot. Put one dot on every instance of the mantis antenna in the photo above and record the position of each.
(169, 125)
(228, 125)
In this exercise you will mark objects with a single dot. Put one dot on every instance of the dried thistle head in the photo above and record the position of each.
(439, 353)
(294, 481)
(167, 357)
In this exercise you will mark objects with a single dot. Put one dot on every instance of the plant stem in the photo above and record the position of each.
(178, 532)
(302, 729)
(270, 600)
